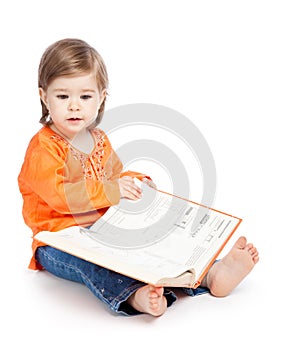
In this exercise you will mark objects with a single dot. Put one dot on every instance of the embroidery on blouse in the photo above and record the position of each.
(91, 164)
(98, 154)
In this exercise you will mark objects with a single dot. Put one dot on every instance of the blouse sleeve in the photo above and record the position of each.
(46, 174)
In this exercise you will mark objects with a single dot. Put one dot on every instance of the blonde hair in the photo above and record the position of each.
(70, 57)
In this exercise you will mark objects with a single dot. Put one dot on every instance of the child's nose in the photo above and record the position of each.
(74, 106)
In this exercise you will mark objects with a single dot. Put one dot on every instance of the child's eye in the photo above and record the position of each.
(85, 97)
(62, 97)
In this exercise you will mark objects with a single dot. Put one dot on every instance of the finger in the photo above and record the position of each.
(134, 193)
(149, 182)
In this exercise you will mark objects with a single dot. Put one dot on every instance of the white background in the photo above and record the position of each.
(216, 62)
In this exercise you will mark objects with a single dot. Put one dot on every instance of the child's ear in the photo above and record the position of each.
(43, 96)
(103, 96)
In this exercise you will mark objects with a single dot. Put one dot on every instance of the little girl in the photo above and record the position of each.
(71, 176)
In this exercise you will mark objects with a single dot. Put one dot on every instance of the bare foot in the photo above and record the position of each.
(227, 273)
(149, 300)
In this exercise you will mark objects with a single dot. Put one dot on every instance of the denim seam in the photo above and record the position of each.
(125, 295)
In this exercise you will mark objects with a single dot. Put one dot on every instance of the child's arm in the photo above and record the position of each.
(46, 177)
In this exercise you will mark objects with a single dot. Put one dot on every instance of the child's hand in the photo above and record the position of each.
(128, 188)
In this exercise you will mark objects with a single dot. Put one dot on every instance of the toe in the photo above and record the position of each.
(241, 243)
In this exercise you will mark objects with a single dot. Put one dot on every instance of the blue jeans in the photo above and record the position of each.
(111, 287)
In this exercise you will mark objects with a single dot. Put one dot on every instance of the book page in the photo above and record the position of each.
(167, 234)
(136, 224)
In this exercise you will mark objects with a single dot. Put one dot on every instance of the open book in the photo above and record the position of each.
(160, 239)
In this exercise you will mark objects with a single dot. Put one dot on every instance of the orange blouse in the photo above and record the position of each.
(62, 186)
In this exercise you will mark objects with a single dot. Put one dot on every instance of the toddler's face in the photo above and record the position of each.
(73, 102)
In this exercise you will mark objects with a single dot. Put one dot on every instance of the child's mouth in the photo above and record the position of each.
(74, 119)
